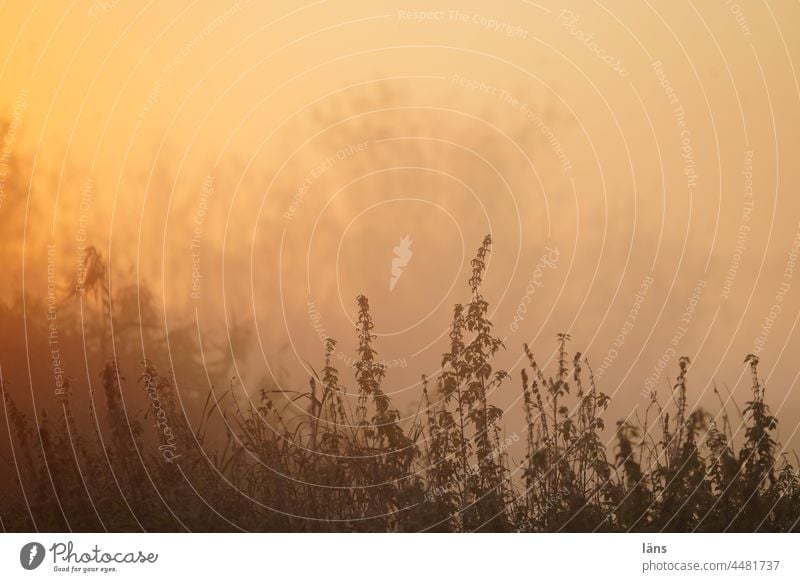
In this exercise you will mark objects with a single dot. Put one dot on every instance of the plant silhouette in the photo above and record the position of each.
(352, 464)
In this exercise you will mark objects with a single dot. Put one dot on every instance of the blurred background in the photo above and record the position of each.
(209, 185)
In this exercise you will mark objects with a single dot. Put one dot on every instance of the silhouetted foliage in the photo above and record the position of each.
(334, 468)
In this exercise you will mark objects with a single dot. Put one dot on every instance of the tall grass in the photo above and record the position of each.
(350, 463)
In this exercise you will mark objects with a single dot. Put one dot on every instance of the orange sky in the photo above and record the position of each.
(279, 151)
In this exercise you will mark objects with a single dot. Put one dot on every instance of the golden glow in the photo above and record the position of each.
(259, 161)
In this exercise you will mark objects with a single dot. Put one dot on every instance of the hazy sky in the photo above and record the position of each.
(636, 164)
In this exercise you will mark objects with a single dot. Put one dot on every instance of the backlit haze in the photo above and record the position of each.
(255, 166)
